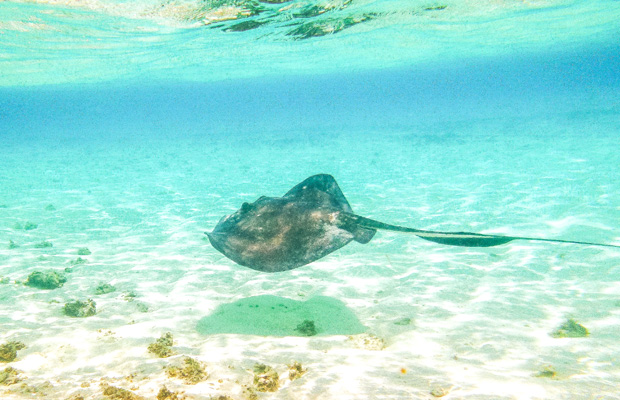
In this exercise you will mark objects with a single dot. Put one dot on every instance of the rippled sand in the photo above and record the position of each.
(396, 318)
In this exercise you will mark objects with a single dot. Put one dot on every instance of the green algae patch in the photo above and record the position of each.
(296, 371)
(78, 261)
(13, 245)
(116, 393)
(104, 288)
(80, 309)
(162, 347)
(9, 376)
(83, 251)
(266, 379)
(49, 279)
(43, 245)
(269, 315)
(570, 329)
(27, 226)
(165, 394)
(191, 372)
(547, 371)
(8, 351)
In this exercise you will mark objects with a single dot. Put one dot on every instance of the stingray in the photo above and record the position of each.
(312, 220)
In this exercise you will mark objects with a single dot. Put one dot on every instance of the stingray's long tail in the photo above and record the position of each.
(466, 239)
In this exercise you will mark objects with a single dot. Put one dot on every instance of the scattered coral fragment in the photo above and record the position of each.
(307, 328)
(80, 309)
(192, 373)
(49, 279)
(162, 347)
(8, 351)
(265, 378)
(570, 329)
(295, 371)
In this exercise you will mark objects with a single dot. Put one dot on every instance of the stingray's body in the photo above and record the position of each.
(281, 233)
(312, 220)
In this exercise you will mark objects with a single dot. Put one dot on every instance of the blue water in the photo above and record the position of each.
(130, 128)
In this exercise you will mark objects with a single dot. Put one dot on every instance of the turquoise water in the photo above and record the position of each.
(130, 128)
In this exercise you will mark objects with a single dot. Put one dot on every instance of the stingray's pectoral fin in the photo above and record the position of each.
(465, 239)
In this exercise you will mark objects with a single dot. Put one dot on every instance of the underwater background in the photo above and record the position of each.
(129, 128)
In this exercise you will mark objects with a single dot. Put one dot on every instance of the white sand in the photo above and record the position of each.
(470, 323)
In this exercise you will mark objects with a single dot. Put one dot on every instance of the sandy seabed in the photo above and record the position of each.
(398, 318)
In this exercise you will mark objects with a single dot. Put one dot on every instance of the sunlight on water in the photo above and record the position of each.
(57, 41)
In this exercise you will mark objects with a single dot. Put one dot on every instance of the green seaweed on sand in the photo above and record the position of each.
(83, 251)
(570, 329)
(12, 245)
(104, 288)
(116, 393)
(9, 376)
(162, 346)
(43, 245)
(165, 394)
(191, 373)
(8, 351)
(266, 379)
(296, 371)
(28, 226)
(80, 309)
(78, 261)
(130, 296)
(547, 371)
(48, 279)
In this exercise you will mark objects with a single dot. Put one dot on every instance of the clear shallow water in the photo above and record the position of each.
(514, 134)
(59, 41)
